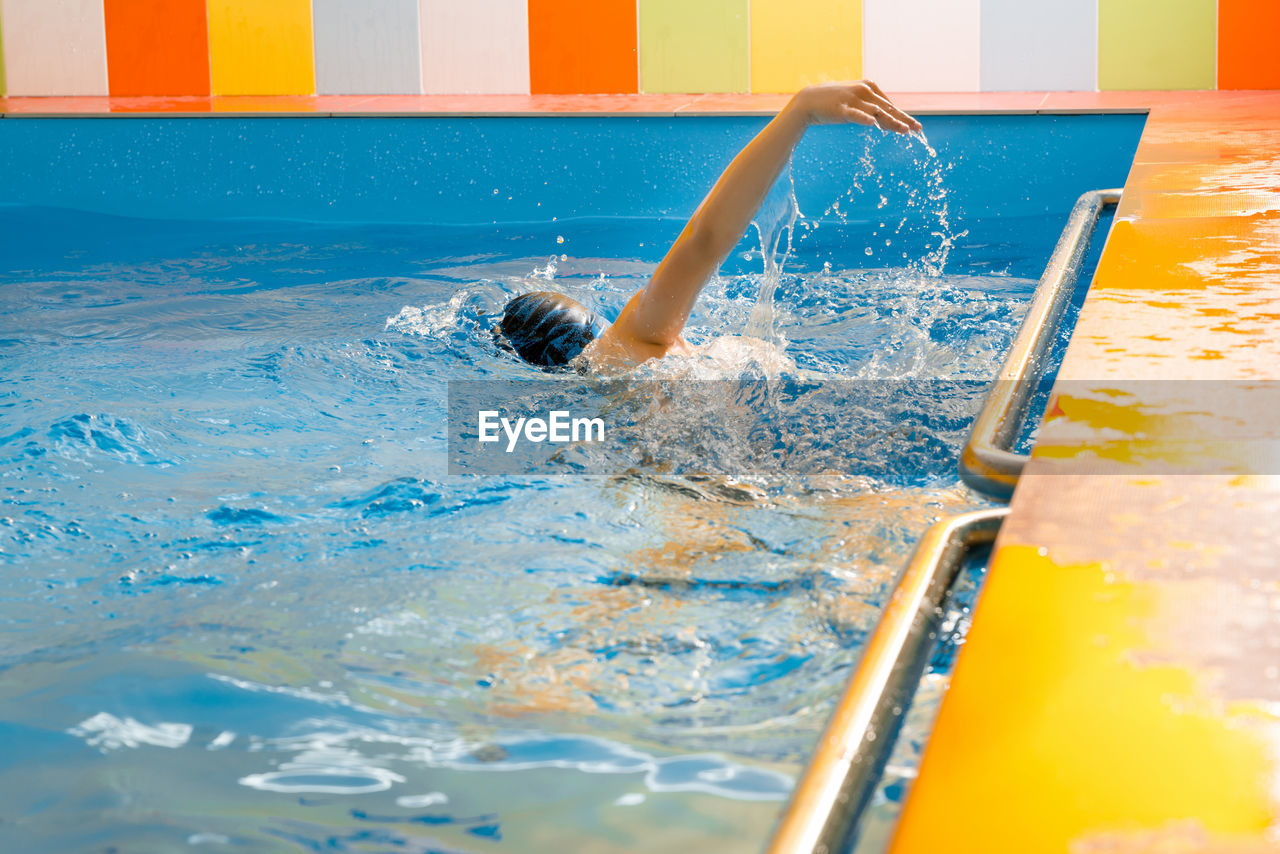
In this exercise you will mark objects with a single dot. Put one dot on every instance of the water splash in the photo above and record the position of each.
(725, 357)
(934, 263)
(918, 199)
(777, 215)
(547, 273)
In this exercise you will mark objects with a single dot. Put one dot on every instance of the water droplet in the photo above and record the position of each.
(559, 238)
(868, 250)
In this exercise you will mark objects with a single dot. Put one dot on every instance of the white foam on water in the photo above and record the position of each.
(208, 839)
(107, 732)
(336, 698)
(323, 780)
(326, 766)
(418, 801)
(223, 739)
(429, 321)
(332, 760)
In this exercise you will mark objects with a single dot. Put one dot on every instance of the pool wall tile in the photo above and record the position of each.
(1039, 46)
(1157, 44)
(1247, 35)
(475, 47)
(54, 47)
(922, 45)
(288, 48)
(157, 47)
(583, 46)
(261, 47)
(798, 42)
(367, 46)
(693, 47)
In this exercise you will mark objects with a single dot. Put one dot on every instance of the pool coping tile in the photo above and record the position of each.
(351, 105)
(694, 105)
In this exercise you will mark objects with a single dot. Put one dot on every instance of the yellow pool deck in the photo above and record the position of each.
(1120, 688)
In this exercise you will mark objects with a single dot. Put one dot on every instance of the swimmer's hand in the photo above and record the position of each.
(862, 102)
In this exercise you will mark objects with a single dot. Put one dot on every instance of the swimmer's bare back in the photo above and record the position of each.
(650, 324)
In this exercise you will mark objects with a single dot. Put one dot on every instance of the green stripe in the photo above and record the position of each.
(1157, 44)
(693, 46)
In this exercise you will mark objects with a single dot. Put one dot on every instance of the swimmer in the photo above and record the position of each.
(551, 329)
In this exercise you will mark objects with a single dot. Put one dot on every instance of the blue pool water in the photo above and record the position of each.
(246, 607)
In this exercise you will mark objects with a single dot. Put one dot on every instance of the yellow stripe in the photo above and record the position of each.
(261, 47)
(798, 42)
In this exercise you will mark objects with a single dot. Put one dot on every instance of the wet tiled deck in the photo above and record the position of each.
(1120, 688)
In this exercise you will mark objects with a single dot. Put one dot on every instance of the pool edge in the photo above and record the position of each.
(1116, 689)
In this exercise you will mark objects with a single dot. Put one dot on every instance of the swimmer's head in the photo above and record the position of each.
(548, 329)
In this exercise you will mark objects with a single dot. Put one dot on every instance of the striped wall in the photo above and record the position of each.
(302, 47)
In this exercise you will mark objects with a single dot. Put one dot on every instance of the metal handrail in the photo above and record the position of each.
(851, 755)
(987, 465)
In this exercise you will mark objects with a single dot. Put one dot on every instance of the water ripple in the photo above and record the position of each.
(84, 436)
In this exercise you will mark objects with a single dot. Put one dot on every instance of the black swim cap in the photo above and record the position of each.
(547, 328)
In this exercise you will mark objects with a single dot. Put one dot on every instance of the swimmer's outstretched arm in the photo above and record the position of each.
(650, 324)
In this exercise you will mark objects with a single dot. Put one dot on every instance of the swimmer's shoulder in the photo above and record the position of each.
(614, 350)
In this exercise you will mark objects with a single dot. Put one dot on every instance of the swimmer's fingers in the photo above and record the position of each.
(857, 116)
(871, 113)
(895, 118)
(875, 87)
(890, 118)
(861, 102)
(880, 105)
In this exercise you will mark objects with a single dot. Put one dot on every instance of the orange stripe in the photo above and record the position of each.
(582, 46)
(157, 47)
(1247, 54)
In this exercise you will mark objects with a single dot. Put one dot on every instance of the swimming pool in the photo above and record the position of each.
(246, 604)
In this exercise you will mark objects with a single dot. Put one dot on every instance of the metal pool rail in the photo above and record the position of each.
(844, 770)
(987, 465)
